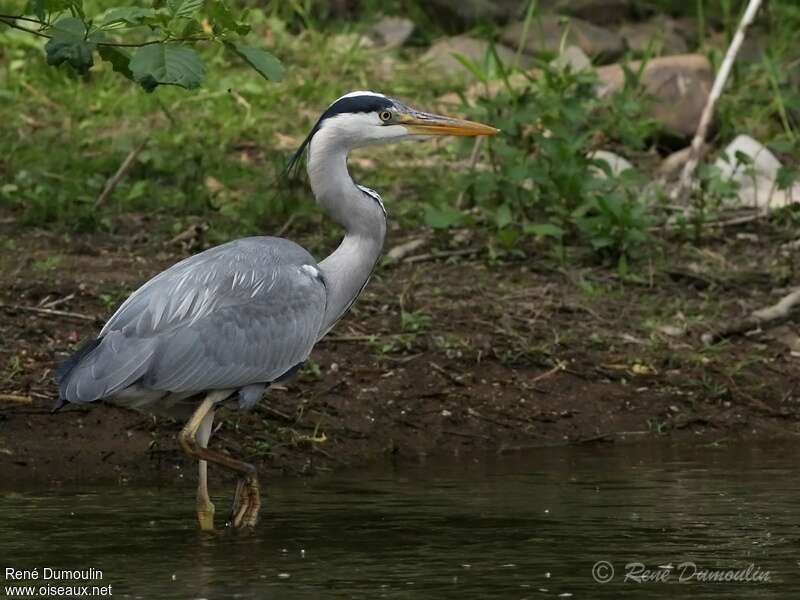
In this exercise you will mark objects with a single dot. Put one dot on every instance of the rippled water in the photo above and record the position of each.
(527, 526)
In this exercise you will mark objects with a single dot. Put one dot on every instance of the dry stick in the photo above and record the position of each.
(49, 312)
(120, 174)
(716, 91)
(16, 398)
(780, 310)
(442, 254)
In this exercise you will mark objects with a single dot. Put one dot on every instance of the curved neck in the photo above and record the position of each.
(347, 270)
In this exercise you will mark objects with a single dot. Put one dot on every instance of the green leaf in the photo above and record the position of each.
(69, 45)
(184, 8)
(786, 178)
(119, 59)
(544, 230)
(223, 19)
(503, 216)
(167, 64)
(126, 15)
(442, 218)
(41, 8)
(265, 63)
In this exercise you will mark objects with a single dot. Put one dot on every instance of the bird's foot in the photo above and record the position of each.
(205, 515)
(246, 503)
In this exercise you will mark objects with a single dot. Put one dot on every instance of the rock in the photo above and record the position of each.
(673, 163)
(616, 163)
(756, 174)
(679, 85)
(661, 33)
(442, 55)
(765, 163)
(545, 35)
(599, 12)
(574, 58)
(391, 32)
(460, 14)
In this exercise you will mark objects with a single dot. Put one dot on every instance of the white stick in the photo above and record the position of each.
(716, 91)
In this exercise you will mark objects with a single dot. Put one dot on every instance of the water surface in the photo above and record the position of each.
(527, 526)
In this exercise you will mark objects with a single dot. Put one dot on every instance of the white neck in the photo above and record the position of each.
(347, 270)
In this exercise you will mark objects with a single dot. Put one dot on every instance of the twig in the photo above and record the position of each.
(441, 254)
(285, 227)
(447, 374)
(16, 398)
(780, 310)
(120, 174)
(732, 222)
(49, 312)
(547, 374)
(53, 303)
(716, 91)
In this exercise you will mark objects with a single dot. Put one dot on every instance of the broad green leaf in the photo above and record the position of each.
(167, 64)
(544, 230)
(442, 218)
(223, 19)
(126, 15)
(69, 45)
(503, 216)
(786, 178)
(41, 8)
(265, 63)
(184, 8)
(119, 59)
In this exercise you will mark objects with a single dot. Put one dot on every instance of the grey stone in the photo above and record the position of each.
(545, 35)
(572, 57)
(599, 12)
(442, 55)
(659, 36)
(391, 32)
(757, 186)
(615, 162)
(678, 84)
(456, 14)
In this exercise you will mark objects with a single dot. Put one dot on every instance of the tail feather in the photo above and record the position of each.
(103, 367)
(67, 366)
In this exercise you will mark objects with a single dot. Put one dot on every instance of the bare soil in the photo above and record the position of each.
(488, 358)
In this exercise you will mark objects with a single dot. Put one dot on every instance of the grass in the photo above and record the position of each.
(217, 155)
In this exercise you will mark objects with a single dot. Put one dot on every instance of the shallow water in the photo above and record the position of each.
(527, 526)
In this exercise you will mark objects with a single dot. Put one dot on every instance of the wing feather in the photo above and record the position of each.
(238, 314)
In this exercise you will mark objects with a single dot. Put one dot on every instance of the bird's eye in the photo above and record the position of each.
(385, 116)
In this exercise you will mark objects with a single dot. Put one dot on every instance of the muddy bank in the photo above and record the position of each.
(449, 357)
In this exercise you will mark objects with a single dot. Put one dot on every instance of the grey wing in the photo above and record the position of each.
(237, 314)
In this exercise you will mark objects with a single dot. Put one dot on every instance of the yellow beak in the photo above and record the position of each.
(419, 123)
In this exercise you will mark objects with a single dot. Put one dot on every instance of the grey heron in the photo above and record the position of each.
(230, 321)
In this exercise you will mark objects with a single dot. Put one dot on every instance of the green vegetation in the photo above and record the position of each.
(216, 155)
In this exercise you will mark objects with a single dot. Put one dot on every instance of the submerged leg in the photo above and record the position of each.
(247, 501)
(205, 508)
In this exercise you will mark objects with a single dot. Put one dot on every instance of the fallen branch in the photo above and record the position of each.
(441, 254)
(126, 165)
(778, 311)
(49, 312)
(684, 185)
(16, 398)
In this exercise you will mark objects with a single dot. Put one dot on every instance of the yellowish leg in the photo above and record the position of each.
(247, 501)
(205, 508)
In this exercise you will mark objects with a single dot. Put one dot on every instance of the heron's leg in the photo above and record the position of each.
(205, 508)
(247, 489)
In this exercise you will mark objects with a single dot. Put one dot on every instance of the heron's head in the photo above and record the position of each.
(365, 118)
